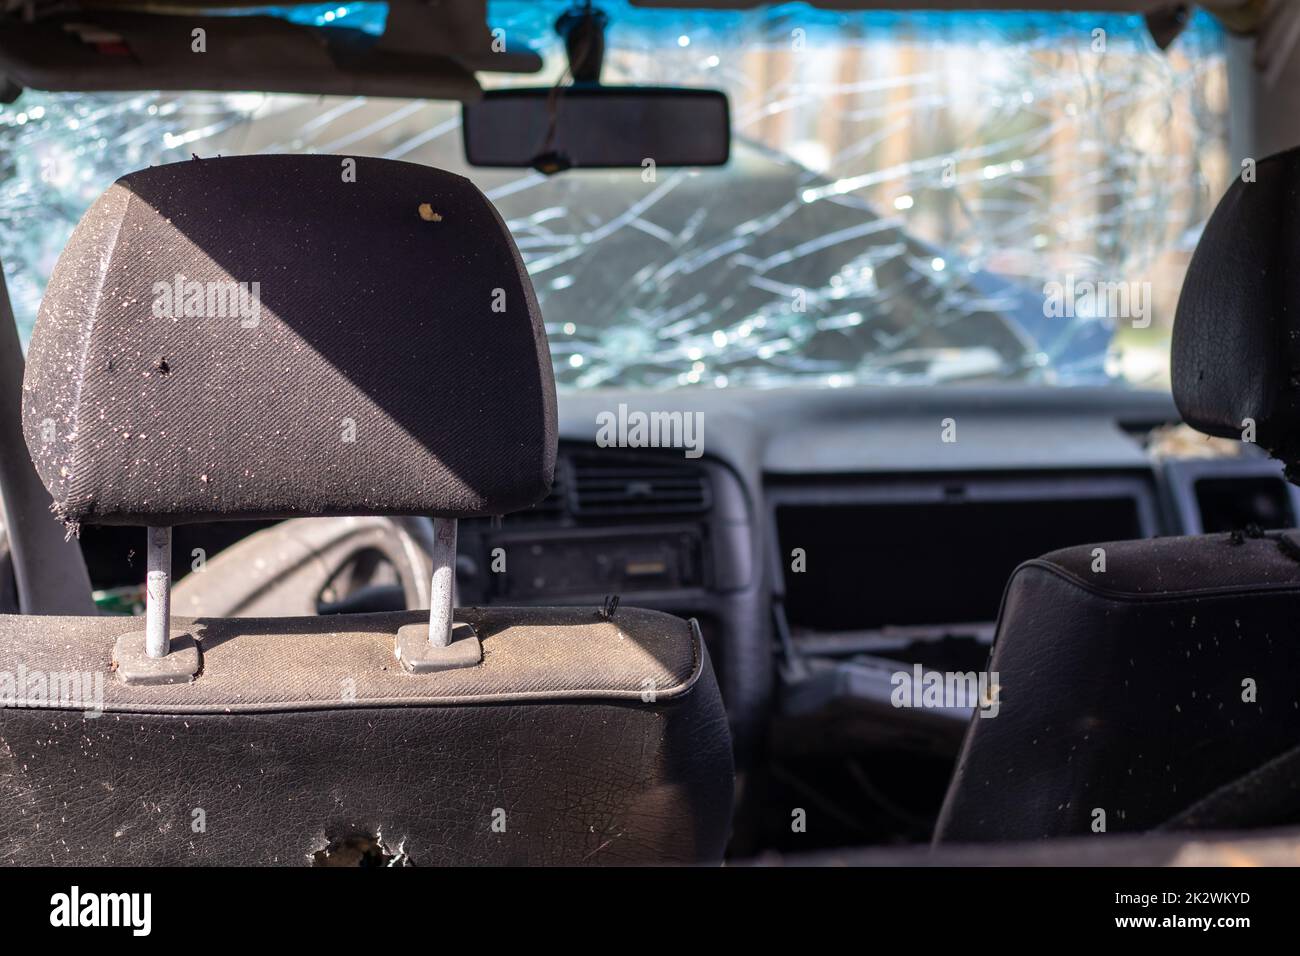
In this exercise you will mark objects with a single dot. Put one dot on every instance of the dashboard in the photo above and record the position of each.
(846, 533)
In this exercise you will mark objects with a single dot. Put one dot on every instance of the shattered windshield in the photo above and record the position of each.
(912, 198)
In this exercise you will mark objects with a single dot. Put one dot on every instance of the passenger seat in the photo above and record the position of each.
(1165, 692)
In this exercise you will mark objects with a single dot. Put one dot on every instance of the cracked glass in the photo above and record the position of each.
(907, 197)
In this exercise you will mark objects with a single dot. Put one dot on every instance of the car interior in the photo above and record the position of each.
(649, 432)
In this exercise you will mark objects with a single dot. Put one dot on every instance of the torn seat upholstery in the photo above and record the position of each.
(390, 359)
(1137, 694)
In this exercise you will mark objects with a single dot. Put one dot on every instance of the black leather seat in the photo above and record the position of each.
(1165, 691)
(377, 378)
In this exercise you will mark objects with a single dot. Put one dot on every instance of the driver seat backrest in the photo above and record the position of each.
(1159, 689)
(265, 337)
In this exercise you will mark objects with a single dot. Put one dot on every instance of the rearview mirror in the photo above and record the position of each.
(597, 127)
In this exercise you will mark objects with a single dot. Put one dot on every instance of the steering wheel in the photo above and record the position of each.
(308, 566)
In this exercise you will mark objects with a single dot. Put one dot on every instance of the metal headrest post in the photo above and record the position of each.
(158, 592)
(442, 595)
(442, 644)
(152, 656)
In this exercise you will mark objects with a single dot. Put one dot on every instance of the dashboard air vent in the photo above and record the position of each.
(603, 487)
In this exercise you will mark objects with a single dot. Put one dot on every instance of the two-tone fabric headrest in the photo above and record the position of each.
(273, 336)
(1236, 340)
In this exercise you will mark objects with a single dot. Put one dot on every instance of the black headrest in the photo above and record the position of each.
(1236, 341)
(269, 336)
